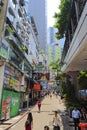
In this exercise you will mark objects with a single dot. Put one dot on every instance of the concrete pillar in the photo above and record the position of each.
(74, 75)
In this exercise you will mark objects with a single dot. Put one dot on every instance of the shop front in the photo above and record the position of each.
(10, 104)
(10, 91)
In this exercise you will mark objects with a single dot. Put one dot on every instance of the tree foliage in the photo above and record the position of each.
(57, 66)
(42, 52)
(62, 18)
(82, 80)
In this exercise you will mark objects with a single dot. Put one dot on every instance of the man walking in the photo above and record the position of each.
(76, 117)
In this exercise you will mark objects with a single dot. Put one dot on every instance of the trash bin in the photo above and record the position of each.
(83, 126)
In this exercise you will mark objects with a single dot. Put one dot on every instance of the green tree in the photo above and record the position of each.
(68, 89)
(62, 18)
(42, 52)
(57, 67)
(82, 80)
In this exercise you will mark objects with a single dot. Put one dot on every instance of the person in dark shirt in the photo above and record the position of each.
(30, 119)
(46, 127)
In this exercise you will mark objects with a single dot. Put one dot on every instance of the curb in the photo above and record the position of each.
(16, 122)
(23, 115)
(60, 118)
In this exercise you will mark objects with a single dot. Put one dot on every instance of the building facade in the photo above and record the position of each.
(54, 49)
(75, 46)
(74, 51)
(18, 56)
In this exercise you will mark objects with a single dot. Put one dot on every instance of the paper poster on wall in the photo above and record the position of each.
(7, 108)
(3, 109)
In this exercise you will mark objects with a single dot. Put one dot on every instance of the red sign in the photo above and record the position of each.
(36, 86)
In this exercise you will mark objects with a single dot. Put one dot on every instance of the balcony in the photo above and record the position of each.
(74, 56)
(34, 26)
(24, 22)
(20, 12)
(14, 39)
(14, 1)
(27, 41)
(11, 11)
(18, 25)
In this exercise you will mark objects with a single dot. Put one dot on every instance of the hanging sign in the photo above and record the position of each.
(36, 86)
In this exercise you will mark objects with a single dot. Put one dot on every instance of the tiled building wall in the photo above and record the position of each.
(2, 17)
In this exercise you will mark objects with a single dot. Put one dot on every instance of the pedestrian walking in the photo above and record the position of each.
(76, 117)
(39, 105)
(59, 97)
(50, 95)
(29, 122)
(56, 122)
(46, 127)
(83, 113)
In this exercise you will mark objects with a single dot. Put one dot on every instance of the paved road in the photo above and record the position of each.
(41, 119)
(45, 117)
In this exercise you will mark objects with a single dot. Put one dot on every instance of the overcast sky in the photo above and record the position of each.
(52, 7)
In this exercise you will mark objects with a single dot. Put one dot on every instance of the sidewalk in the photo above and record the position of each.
(43, 118)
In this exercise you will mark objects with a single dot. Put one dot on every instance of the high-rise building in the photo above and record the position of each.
(54, 53)
(51, 36)
(51, 33)
(38, 11)
(54, 49)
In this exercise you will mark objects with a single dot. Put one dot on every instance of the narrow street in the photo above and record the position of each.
(43, 48)
(41, 119)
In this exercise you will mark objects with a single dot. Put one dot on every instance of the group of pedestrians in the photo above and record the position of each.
(56, 122)
(29, 121)
(77, 116)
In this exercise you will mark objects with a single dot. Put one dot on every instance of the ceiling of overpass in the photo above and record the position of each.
(79, 62)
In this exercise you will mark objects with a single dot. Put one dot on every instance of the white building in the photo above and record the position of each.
(38, 11)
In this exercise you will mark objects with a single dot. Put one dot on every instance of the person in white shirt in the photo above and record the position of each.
(56, 122)
(76, 117)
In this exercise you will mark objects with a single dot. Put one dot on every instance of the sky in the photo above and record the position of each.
(52, 7)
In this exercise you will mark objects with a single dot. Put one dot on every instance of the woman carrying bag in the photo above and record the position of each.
(29, 122)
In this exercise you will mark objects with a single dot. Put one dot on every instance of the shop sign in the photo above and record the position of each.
(11, 80)
(36, 86)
